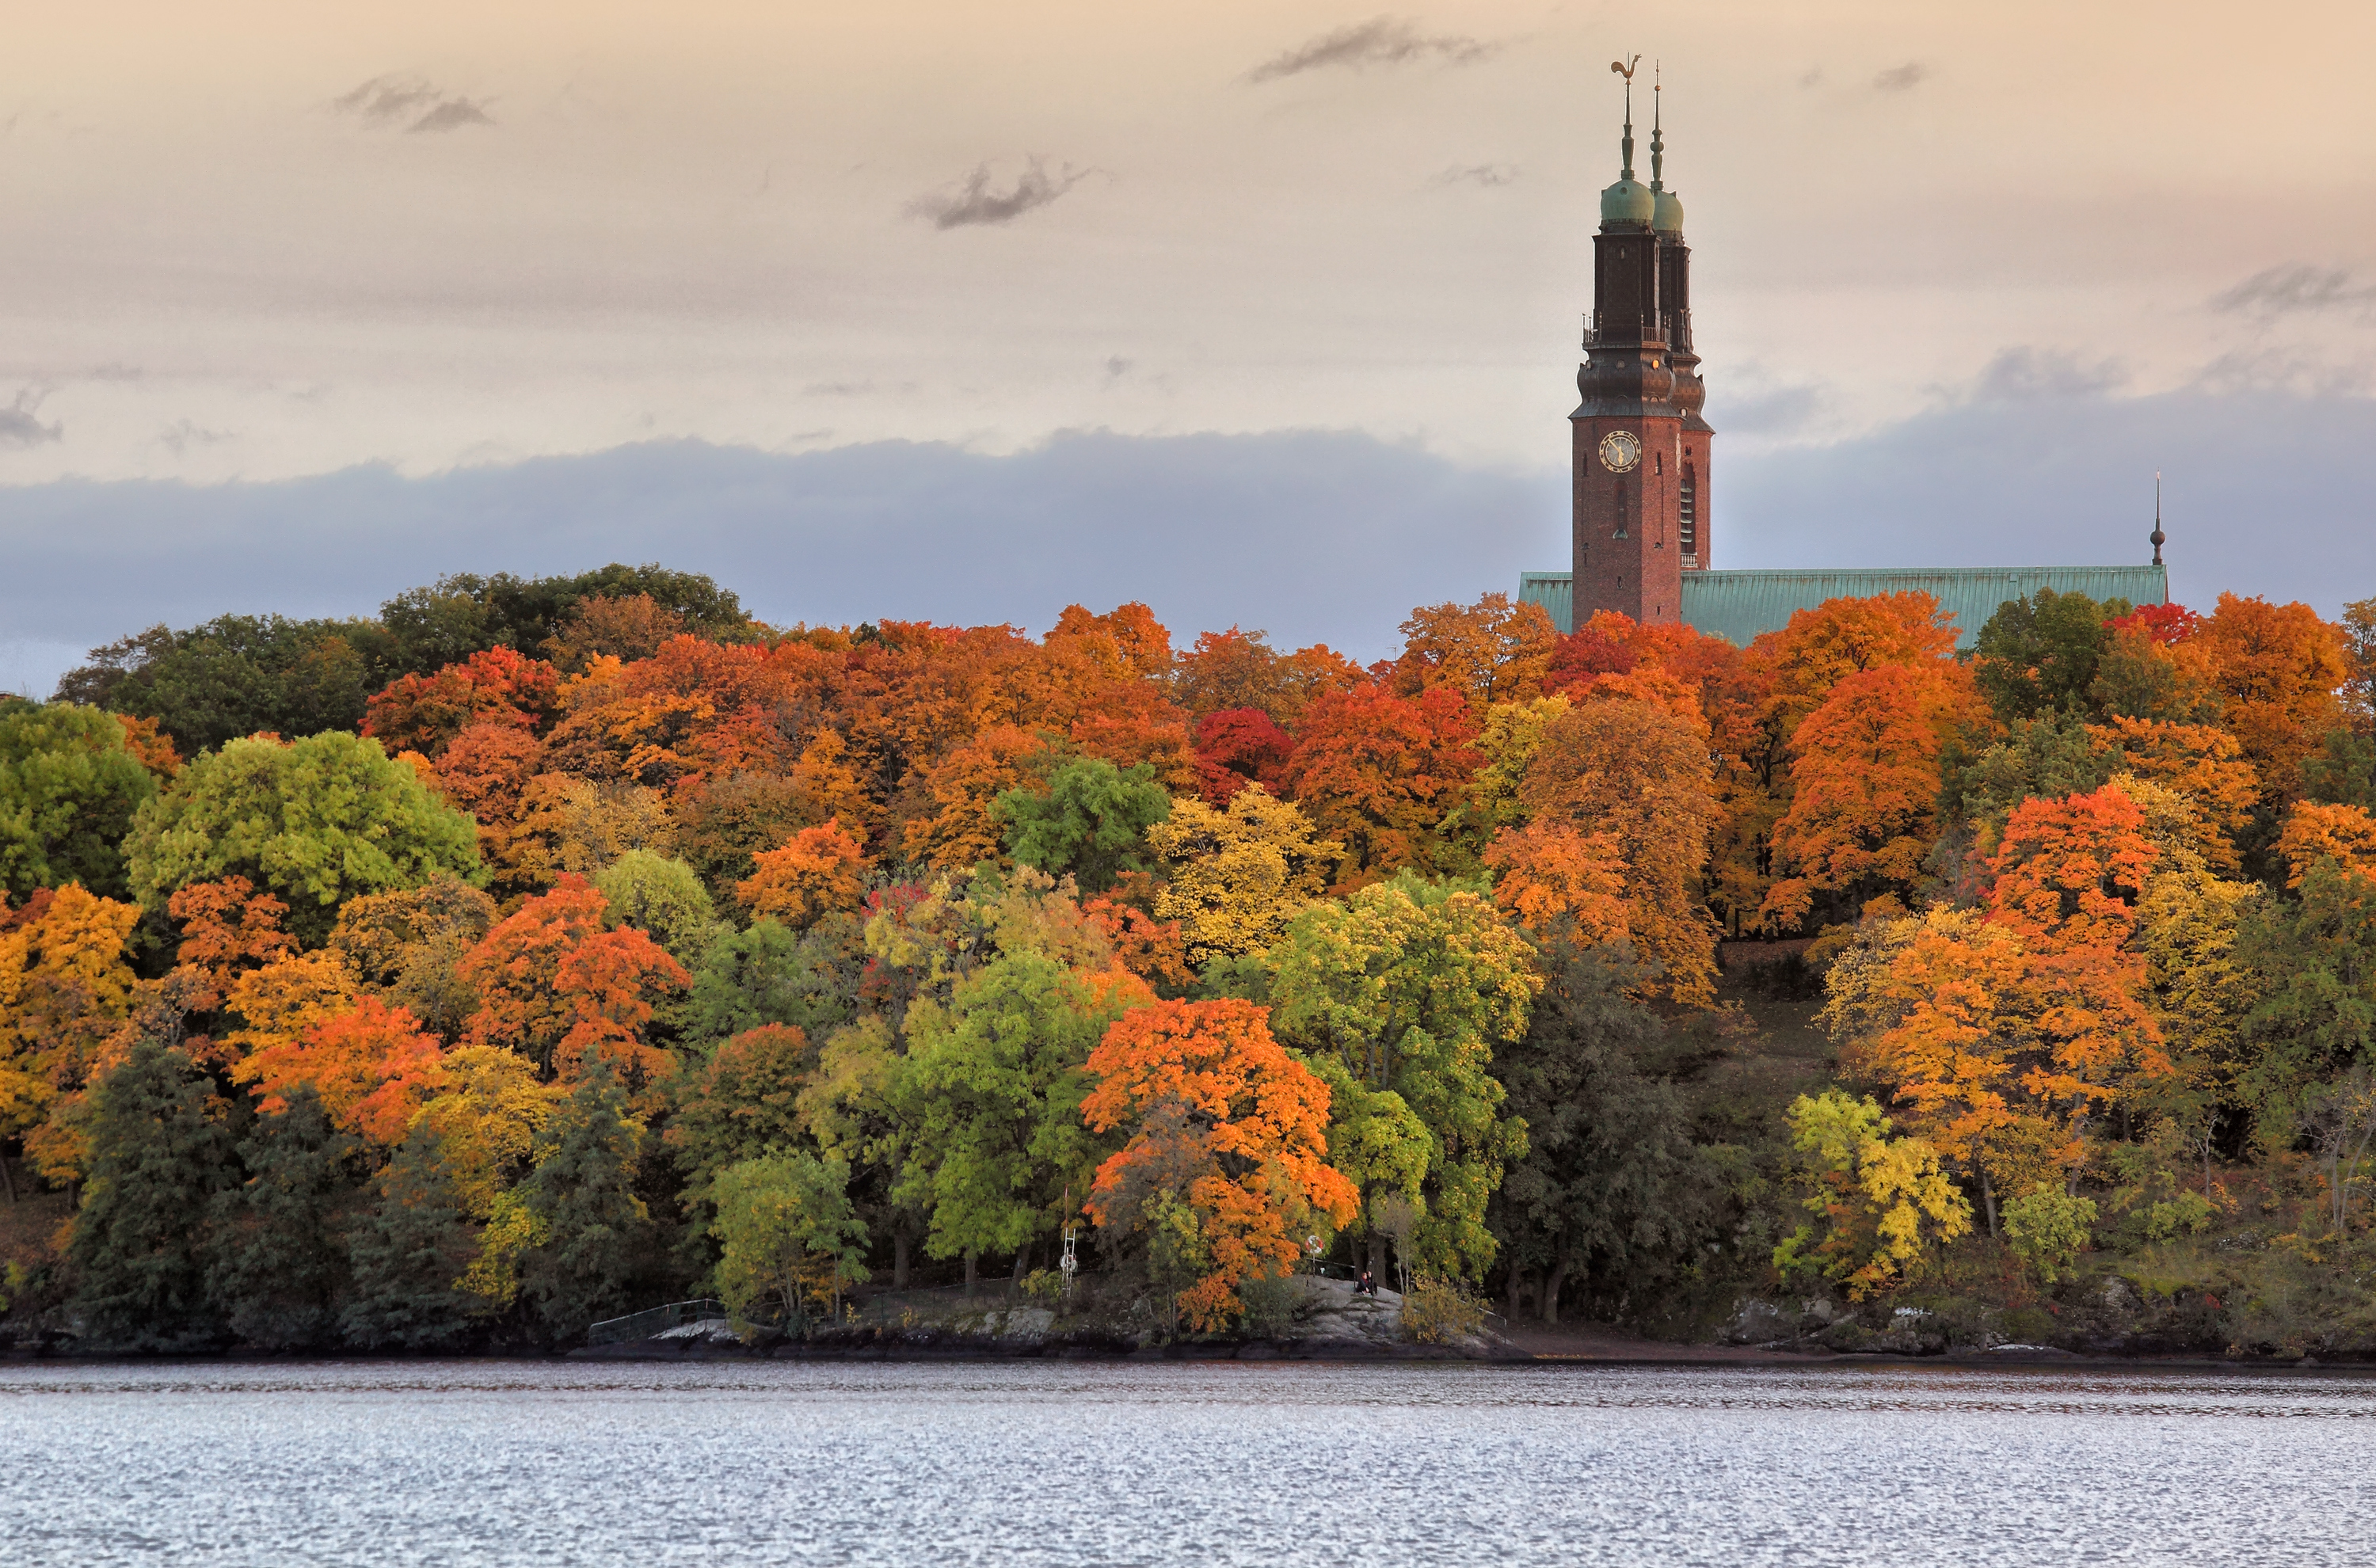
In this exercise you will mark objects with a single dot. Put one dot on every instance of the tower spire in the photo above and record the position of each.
(1658, 141)
(2157, 536)
(1626, 68)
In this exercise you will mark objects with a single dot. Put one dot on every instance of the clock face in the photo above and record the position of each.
(1620, 450)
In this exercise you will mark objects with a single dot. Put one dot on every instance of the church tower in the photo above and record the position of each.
(1641, 448)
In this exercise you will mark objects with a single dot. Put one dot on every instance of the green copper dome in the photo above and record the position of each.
(1627, 201)
(1668, 210)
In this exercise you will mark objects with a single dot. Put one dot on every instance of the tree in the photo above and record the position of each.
(819, 872)
(786, 1230)
(2311, 962)
(1881, 1203)
(1226, 1146)
(593, 1230)
(158, 1151)
(487, 1124)
(66, 988)
(627, 627)
(662, 898)
(723, 823)
(278, 1267)
(555, 986)
(1638, 774)
(743, 1103)
(1489, 651)
(317, 821)
(1611, 1192)
(2313, 832)
(2040, 654)
(1865, 785)
(368, 1069)
(995, 1083)
(69, 786)
(498, 686)
(1555, 879)
(1412, 987)
(1238, 746)
(1239, 873)
(770, 975)
(1089, 820)
(1239, 669)
(956, 823)
(2275, 668)
(236, 675)
(1379, 772)
(407, 1252)
(407, 945)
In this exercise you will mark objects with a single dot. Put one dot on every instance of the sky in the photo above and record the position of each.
(938, 309)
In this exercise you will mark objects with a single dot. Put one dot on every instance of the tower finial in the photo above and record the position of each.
(2157, 536)
(1626, 68)
(1658, 141)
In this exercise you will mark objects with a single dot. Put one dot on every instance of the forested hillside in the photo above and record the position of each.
(538, 951)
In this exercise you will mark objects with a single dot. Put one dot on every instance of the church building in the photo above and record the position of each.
(1643, 541)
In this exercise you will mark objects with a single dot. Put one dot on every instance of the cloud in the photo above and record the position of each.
(1486, 175)
(2028, 375)
(419, 104)
(974, 201)
(1899, 79)
(19, 427)
(2297, 288)
(183, 434)
(1779, 411)
(1117, 367)
(1380, 40)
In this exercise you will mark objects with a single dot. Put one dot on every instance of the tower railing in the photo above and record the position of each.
(1671, 329)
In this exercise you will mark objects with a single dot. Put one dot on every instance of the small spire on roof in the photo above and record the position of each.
(1657, 142)
(1626, 68)
(2157, 536)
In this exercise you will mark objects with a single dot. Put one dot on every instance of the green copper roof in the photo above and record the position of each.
(1736, 606)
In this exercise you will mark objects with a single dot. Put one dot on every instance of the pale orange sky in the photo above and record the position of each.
(711, 221)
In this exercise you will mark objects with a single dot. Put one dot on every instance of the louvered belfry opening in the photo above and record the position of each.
(1687, 518)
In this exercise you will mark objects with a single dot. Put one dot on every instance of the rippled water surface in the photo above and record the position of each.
(1017, 1463)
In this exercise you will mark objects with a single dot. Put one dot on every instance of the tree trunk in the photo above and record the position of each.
(1988, 1199)
(899, 1259)
(1015, 1281)
(1551, 1283)
(971, 1259)
(1377, 1254)
(10, 1177)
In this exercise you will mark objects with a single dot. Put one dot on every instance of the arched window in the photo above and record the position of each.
(1690, 512)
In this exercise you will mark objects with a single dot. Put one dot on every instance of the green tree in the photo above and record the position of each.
(236, 675)
(1412, 986)
(2312, 963)
(785, 1231)
(1612, 1194)
(407, 1253)
(595, 1233)
(664, 900)
(428, 628)
(1880, 1203)
(158, 1154)
(1090, 819)
(2048, 1228)
(68, 789)
(317, 821)
(278, 1269)
(995, 1082)
(2342, 772)
(769, 974)
(2038, 655)
(745, 1102)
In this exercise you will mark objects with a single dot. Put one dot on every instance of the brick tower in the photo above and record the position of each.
(1641, 461)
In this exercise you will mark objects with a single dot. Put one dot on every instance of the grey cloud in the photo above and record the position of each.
(2297, 288)
(183, 434)
(1897, 78)
(2028, 375)
(20, 427)
(1487, 175)
(114, 372)
(1117, 367)
(1380, 40)
(419, 104)
(1783, 410)
(974, 201)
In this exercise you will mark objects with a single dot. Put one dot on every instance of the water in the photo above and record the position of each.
(478, 1462)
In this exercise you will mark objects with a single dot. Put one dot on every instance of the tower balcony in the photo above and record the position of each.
(1612, 330)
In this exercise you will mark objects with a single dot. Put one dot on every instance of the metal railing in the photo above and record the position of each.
(657, 1320)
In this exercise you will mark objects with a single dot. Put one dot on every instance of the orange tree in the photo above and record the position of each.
(818, 871)
(1226, 1162)
(424, 713)
(1863, 804)
(1379, 773)
(556, 987)
(2275, 668)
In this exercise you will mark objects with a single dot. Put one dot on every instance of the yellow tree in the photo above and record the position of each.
(1238, 872)
(66, 987)
(1489, 651)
